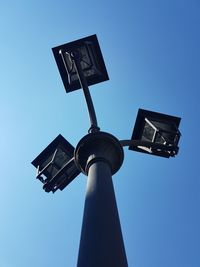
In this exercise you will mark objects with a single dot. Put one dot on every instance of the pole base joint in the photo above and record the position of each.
(99, 146)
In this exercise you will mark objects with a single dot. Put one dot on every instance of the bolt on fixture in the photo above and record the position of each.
(99, 155)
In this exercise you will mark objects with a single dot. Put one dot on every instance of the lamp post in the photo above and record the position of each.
(99, 155)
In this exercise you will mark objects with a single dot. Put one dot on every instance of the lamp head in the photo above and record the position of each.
(158, 131)
(55, 165)
(91, 61)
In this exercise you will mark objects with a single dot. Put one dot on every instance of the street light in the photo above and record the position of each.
(91, 61)
(55, 165)
(156, 134)
(99, 155)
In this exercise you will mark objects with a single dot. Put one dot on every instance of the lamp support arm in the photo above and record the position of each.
(75, 57)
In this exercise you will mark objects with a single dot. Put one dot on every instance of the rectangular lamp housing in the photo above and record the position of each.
(92, 62)
(55, 165)
(158, 129)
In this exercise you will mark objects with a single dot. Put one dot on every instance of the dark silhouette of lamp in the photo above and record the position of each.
(156, 134)
(91, 61)
(55, 165)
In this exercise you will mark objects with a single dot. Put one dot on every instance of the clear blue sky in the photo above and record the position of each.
(151, 51)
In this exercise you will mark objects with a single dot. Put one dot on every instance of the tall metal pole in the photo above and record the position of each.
(99, 155)
(101, 244)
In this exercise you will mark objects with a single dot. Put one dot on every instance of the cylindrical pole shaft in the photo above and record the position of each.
(101, 242)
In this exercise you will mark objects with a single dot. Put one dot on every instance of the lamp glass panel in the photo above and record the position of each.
(148, 132)
(88, 62)
(167, 132)
(60, 159)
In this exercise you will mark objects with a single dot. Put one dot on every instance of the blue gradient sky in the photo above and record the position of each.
(151, 51)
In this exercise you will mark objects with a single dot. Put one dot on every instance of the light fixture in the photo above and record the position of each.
(55, 165)
(91, 61)
(156, 133)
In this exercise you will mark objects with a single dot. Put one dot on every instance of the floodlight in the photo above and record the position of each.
(91, 61)
(157, 133)
(55, 165)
